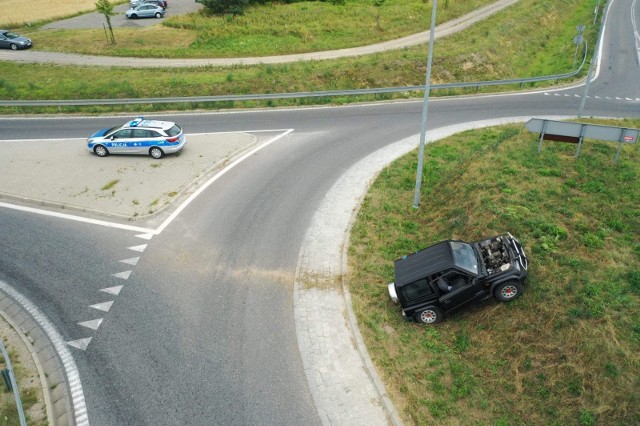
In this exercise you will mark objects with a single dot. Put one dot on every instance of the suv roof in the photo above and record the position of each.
(422, 263)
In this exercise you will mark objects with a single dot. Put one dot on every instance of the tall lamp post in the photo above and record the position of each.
(425, 109)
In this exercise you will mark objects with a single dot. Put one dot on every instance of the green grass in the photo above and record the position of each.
(273, 29)
(567, 351)
(482, 52)
(110, 185)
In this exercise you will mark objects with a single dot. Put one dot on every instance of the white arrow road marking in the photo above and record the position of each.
(138, 248)
(102, 306)
(93, 324)
(123, 275)
(131, 261)
(113, 290)
(80, 343)
(145, 236)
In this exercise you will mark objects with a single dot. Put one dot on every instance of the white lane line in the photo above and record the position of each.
(145, 236)
(133, 261)
(81, 344)
(71, 370)
(215, 178)
(76, 218)
(113, 290)
(92, 324)
(104, 307)
(124, 275)
(139, 248)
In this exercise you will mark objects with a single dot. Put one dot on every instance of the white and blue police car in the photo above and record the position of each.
(138, 136)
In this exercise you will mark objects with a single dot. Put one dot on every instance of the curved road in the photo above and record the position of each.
(204, 333)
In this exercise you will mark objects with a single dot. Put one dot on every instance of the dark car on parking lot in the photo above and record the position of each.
(162, 3)
(13, 41)
(451, 275)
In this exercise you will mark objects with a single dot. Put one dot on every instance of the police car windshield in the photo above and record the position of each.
(464, 257)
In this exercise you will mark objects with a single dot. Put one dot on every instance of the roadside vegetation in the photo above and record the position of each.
(263, 30)
(566, 352)
(539, 42)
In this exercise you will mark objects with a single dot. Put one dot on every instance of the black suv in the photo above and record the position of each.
(452, 274)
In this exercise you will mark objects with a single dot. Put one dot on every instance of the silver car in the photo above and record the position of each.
(145, 10)
(13, 41)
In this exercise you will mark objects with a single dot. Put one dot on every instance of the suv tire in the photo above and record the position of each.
(508, 290)
(428, 316)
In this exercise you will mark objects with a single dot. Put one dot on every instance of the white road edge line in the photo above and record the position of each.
(70, 368)
(76, 218)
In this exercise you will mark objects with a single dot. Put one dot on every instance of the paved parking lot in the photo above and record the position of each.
(97, 20)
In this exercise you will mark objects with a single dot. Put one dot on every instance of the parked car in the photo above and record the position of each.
(145, 10)
(14, 41)
(138, 136)
(161, 3)
(451, 275)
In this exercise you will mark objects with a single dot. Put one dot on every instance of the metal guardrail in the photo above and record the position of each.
(14, 385)
(268, 96)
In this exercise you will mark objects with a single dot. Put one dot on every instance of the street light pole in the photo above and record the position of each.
(425, 109)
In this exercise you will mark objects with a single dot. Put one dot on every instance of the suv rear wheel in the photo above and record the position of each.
(428, 316)
(508, 290)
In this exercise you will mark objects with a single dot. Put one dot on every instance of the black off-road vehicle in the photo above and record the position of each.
(452, 274)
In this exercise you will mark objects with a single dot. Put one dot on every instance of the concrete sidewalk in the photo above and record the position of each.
(64, 174)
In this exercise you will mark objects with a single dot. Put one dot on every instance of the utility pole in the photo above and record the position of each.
(425, 109)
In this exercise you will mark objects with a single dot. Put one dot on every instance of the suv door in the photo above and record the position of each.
(465, 289)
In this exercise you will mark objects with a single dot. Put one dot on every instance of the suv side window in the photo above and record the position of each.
(417, 290)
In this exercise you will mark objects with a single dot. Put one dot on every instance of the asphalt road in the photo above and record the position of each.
(204, 333)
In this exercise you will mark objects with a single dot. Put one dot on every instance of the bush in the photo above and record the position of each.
(220, 7)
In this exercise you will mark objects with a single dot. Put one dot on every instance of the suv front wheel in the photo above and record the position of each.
(508, 290)
(429, 316)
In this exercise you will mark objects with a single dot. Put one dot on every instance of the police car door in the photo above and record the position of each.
(120, 141)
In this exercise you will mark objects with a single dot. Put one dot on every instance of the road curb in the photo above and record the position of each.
(54, 383)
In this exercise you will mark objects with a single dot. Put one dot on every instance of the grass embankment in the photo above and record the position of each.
(273, 29)
(530, 38)
(566, 352)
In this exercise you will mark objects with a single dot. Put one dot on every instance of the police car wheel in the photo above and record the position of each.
(100, 151)
(156, 153)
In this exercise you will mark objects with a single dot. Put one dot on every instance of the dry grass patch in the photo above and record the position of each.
(150, 41)
(17, 13)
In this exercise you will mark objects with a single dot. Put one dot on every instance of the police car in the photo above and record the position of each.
(138, 136)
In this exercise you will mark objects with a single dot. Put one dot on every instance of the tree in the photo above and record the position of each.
(106, 8)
